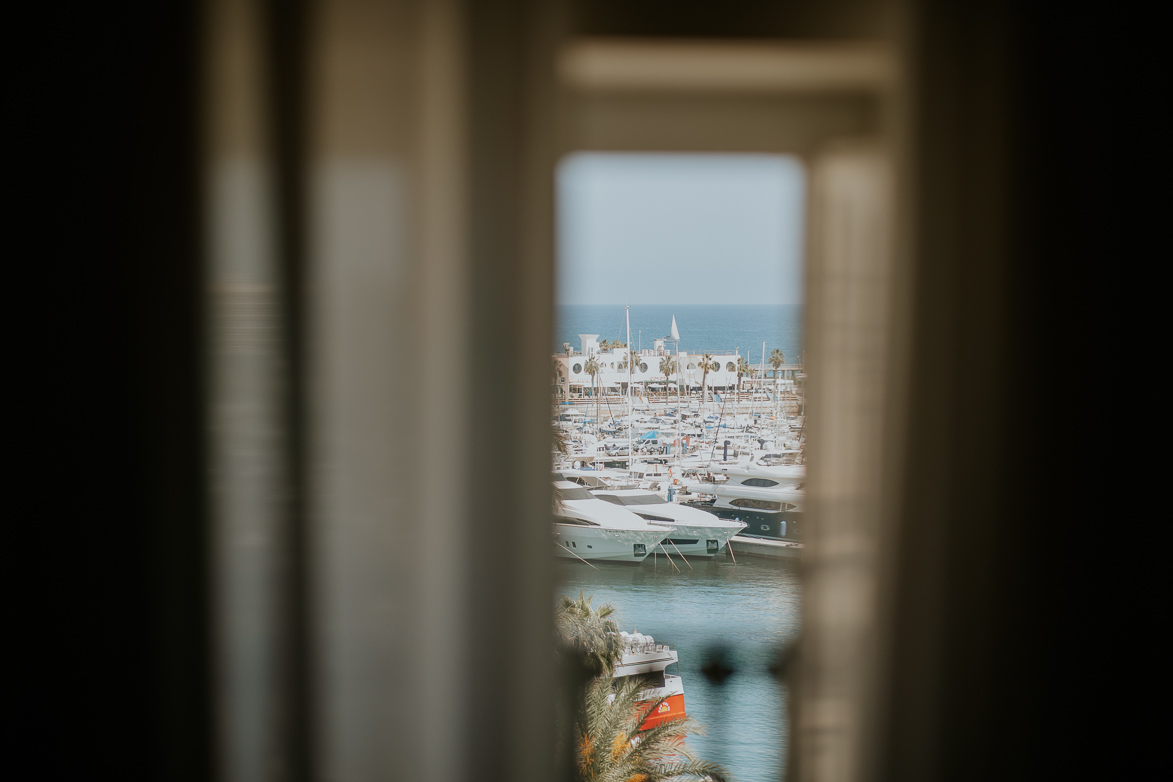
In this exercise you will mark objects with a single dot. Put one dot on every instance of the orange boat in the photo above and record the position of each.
(645, 658)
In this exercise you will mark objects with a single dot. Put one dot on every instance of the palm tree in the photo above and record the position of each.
(559, 440)
(610, 745)
(667, 368)
(604, 344)
(742, 370)
(608, 741)
(557, 376)
(592, 367)
(777, 359)
(707, 363)
(587, 646)
(589, 633)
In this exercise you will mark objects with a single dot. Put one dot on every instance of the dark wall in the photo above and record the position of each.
(1012, 633)
(114, 605)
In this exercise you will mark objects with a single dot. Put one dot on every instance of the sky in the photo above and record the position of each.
(637, 228)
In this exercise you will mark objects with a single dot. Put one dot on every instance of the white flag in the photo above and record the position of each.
(675, 333)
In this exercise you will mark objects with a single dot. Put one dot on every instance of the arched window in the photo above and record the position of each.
(577, 368)
(643, 367)
(730, 366)
(692, 366)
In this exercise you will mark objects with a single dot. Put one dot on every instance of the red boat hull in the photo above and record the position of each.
(671, 709)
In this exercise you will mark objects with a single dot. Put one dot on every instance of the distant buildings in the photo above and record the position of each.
(572, 381)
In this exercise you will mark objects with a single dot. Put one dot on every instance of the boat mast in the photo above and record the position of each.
(761, 374)
(753, 405)
(630, 368)
(679, 374)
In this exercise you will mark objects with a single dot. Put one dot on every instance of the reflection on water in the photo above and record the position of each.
(751, 608)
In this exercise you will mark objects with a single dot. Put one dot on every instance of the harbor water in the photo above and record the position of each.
(749, 608)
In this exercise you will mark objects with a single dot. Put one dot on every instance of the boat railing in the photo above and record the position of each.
(647, 648)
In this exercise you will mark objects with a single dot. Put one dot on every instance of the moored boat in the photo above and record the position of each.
(587, 528)
(697, 533)
(766, 468)
(768, 508)
(597, 479)
(643, 657)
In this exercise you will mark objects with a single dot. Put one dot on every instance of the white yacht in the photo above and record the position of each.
(597, 479)
(652, 472)
(763, 469)
(586, 527)
(769, 508)
(697, 533)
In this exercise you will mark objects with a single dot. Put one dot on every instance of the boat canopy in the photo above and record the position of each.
(650, 435)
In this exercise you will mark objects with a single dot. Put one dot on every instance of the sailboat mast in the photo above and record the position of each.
(675, 334)
(762, 370)
(679, 414)
(630, 368)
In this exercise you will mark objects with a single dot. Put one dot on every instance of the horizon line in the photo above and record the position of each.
(679, 304)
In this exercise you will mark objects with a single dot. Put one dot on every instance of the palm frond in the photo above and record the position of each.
(589, 633)
(559, 440)
(612, 746)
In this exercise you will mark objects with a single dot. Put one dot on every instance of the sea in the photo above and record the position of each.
(703, 327)
(747, 610)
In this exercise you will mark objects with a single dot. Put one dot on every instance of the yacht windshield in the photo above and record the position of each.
(633, 499)
(572, 494)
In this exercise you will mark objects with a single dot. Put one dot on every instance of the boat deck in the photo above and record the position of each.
(761, 547)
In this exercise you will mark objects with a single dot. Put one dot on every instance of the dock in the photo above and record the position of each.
(758, 547)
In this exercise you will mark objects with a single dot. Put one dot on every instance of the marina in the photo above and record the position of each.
(716, 443)
(679, 499)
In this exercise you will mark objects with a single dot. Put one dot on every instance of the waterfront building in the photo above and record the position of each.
(572, 381)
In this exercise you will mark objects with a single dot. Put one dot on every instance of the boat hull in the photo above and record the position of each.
(781, 525)
(672, 708)
(592, 544)
(699, 542)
